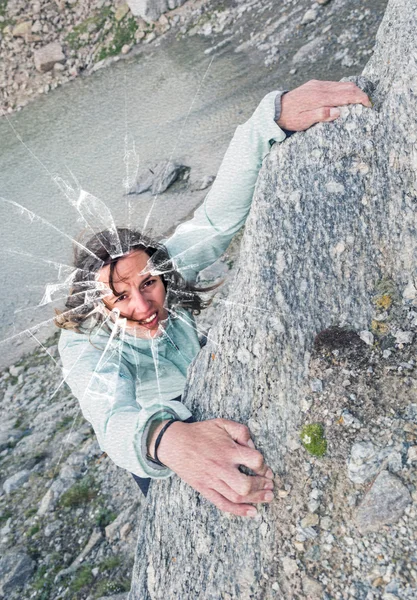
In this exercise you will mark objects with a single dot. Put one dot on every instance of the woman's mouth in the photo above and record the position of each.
(150, 322)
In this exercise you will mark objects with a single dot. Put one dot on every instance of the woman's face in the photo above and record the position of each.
(142, 295)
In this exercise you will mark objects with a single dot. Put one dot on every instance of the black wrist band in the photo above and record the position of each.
(158, 441)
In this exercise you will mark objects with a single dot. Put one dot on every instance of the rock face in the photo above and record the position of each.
(329, 247)
(158, 177)
(151, 10)
(15, 569)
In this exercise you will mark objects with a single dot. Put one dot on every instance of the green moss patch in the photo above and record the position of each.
(313, 439)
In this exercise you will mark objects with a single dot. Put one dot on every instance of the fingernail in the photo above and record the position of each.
(268, 496)
(334, 112)
(251, 512)
(251, 444)
(269, 485)
(269, 474)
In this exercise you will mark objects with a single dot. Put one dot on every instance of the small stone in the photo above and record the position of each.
(16, 481)
(363, 462)
(125, 49)
(121, 11)
(95, 571)
(46, 503)
(367, 337)
(410, 292)
(309, 16)
(299, 546)
(150, 37)
(383, 504)
(315, 494)
(412, 454)
(316, 385)
(46, 57)
(349, 420)
(325, 523)
(403, 337)
(58, 67)
(36, 27)
(22, 29)
(139, 34)
(322, 2)
(283, 493)
(15, 371)
(312, 589)
(293, 71)
(310, 520)
(313, 505)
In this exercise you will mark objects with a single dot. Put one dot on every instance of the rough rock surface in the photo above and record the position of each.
(15, 569)
(329, 251)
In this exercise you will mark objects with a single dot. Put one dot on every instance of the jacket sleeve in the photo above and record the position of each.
(104, 384)
(199, 242)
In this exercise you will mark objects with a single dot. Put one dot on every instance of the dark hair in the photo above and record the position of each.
(106, 248)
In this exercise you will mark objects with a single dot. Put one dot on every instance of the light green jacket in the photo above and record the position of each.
(123, 385)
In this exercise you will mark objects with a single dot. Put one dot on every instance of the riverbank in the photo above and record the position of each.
(47, 44)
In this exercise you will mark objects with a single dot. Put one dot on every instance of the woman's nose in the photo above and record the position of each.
(140, 303)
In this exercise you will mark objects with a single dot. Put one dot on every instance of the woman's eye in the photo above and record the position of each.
(120, 298)
(149, 282)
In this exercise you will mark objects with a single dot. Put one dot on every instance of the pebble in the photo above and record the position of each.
(16, 481)
(410, 292)
(403, 337)
(412, 454)
(309, 16)
(349, 420)
(310, 520)
(367, 337)
(316, 385)
(364, 462)
(383, 504)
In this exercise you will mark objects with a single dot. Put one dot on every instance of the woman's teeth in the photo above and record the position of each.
(149, 319)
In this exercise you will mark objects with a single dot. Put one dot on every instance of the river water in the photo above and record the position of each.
(175, 101)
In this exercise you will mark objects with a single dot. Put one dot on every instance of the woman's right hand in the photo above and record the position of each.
(207, 456)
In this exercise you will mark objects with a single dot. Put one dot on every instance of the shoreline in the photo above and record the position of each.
(85, 39)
